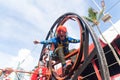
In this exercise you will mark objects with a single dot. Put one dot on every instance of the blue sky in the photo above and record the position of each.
(23, 21)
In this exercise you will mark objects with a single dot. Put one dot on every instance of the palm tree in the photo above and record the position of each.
(94, 17)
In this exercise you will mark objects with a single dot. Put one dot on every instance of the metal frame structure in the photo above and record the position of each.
(78, 67)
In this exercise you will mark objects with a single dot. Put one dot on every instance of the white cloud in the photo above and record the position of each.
(25, 59)
(24, 56)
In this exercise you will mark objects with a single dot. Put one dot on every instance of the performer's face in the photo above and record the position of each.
(62, 35)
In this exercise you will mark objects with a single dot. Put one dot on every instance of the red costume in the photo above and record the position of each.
(40, 73)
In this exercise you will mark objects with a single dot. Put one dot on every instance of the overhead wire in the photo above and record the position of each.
(112, 6)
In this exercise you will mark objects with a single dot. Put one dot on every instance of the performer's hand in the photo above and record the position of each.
(36, 42)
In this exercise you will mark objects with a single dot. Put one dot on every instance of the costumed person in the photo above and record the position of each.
(61, 44)
(41, 72)
(45, 57)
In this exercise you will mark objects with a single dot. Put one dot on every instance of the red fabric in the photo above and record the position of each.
(36, 72)
(44, 70)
